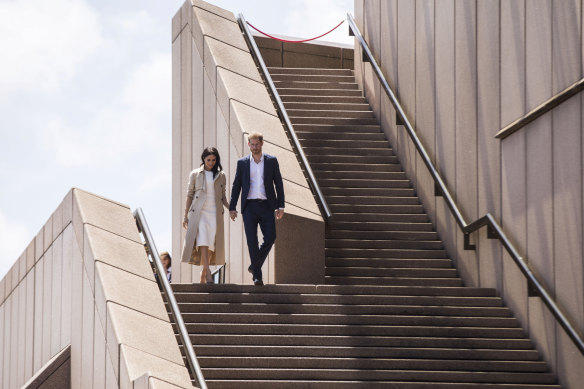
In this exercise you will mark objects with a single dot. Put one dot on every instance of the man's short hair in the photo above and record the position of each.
(256, 135)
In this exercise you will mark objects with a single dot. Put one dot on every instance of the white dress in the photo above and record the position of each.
(208, 222)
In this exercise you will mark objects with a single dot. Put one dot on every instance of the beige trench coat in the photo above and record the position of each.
(197, 190)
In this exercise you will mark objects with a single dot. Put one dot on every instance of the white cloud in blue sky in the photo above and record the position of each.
(85, 91)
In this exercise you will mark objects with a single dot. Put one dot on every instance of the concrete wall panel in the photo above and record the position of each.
(29, 327)
(406, 83)
(14, 328)
(177, 208)
(488, 148)
(87, 334)
(539, 174)
(99, 351)
(466, 119)
(47, 305)
(425, 100)
(388, 65)
(513, 156)
(5, 352)
(56, 293)
(445, 123)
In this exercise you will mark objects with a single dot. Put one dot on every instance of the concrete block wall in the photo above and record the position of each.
(304, 55)
(218, 99)
(85, 283)
(463, 70)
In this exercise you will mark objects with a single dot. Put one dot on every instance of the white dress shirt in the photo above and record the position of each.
(257, 190)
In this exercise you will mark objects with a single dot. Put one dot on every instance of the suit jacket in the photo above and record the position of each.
(272, 183)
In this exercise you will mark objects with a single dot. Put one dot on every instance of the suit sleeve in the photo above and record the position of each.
(236, 187)
(279, 185)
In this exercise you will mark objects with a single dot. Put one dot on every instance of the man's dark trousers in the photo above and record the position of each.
(259, 213)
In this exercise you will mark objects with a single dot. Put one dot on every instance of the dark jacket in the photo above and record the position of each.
(272, 183)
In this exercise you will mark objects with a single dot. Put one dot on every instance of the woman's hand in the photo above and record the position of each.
(185, 223)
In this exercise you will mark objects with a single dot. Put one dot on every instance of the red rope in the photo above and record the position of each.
(300, 41)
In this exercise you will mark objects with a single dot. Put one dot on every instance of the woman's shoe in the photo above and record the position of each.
(209, 277)
(203, 277)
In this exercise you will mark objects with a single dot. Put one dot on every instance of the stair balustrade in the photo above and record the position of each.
(495, 230)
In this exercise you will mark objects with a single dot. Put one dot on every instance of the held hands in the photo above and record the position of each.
(279, 214)
(233, 215)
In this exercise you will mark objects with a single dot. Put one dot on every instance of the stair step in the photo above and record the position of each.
(314, 113)
(346, 362)
(332, 151)
(339, 309)
(331, 92)
(303, 71)
(299, 289)
(386, 262)
(329, 106)
(319, 85)
(254, 318)
(332, 120)
(300, 98)
(398, 192)
(324, 384)
(371, 200)
(384, 253)
(341, 128)
(346, 144)
(483, 355)
(363, 183)
(393, 235)
(395, 281)
(459, 345)
(258, 297)
(362, 160)
(357, 271)
(341, 166)
(379, 217)
(320, 174)
(379, 375)
(368, 208)
(384, 244)
(313, 78)
(340, 136)
(199, 329)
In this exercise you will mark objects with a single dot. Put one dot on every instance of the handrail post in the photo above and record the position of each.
(326, 213)
(184, 335)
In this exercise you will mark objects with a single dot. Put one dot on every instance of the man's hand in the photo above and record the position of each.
(233, 214)
(279, 214)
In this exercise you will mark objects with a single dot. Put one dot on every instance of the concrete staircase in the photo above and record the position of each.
(393, 314)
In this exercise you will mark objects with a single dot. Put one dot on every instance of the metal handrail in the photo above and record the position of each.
(182, 329)
(486, 220)
(541, 109)
(255, 51)
(219, 275)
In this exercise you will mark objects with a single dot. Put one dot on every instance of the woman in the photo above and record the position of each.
(204, 215)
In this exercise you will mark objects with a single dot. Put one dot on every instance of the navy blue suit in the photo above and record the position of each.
(258, 212)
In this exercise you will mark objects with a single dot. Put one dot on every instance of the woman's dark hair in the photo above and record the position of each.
(212, 151)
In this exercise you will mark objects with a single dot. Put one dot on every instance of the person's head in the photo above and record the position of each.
(255, 141)
(166, 260)
(211, 160)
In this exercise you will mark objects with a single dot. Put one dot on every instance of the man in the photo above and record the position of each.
(259, 180)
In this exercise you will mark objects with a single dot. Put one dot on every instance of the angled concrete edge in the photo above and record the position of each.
(125, 292)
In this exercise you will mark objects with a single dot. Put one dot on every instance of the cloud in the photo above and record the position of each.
(309, 18)
(44, 43)
(13, 241)
(136, 120)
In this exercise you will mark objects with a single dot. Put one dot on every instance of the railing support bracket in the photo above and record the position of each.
(467, 244)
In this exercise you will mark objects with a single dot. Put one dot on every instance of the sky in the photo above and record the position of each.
(85, 101)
